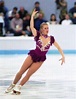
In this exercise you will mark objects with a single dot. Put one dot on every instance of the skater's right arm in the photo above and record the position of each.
(34, 32)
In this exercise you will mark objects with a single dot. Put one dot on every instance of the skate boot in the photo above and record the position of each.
(17, 90)
(10, 88)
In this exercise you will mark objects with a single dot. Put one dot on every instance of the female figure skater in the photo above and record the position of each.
(35, 57)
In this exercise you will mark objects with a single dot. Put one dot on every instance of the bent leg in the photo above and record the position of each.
(27, 63)
(33, 68)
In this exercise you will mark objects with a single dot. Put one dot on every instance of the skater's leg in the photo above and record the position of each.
(27, 63)
(33, 68)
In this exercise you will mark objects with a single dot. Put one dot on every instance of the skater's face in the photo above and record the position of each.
(44, 29)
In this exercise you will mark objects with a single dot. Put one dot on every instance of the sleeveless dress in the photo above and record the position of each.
(39, 54)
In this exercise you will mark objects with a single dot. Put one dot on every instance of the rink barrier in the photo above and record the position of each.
(64, 35)
(13, 52)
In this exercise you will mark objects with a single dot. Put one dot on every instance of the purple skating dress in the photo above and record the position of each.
(39, 54)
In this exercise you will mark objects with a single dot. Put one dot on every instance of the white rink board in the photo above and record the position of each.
(64, 35)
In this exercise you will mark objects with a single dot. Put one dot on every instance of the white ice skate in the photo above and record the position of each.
(17, 90)
(10, 88)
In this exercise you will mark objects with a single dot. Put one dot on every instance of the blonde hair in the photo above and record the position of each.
(41, 26)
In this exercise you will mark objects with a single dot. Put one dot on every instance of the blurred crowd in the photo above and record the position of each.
(17, 21)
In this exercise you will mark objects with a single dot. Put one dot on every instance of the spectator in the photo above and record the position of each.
(37, 7)
(4, 10)
(1, 24)
(53, 19)
(39, 20)
(26, 24)
(22, 12)
(67, 20)
(72, 10)
(57, 4)
(17, 26)
(57, 13)
(12, 13)
(63, 9)
(74, 18)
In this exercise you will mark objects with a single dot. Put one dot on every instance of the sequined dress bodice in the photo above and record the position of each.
(42, 49)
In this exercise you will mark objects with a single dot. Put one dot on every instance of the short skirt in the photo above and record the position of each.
(37, 57)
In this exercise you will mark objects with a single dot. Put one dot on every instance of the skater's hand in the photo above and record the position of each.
(62, 60)
(34, 12)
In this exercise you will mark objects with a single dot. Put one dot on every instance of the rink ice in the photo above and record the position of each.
(51, 81)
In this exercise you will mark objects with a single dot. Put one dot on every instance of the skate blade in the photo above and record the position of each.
(8, 92)
(16, 92)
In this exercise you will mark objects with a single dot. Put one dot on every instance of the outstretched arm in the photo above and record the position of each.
(32, 23)
(61, 52)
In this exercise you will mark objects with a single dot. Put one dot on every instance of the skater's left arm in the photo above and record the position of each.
(61, 52)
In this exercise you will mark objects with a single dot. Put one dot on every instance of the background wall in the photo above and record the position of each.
(64, 35)
(48, 6)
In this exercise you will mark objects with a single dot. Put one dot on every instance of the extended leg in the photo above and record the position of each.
(27, 63)
(34, 67)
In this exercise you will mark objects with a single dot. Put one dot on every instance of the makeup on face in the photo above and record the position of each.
(45, 29)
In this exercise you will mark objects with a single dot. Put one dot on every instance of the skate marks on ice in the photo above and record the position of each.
(43, 90)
